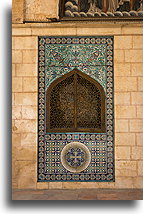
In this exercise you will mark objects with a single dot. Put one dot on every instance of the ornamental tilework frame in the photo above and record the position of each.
(94, 57)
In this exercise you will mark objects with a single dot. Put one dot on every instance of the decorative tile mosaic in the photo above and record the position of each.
(94, 57)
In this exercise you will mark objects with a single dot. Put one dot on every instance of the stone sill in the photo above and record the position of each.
(81, 194)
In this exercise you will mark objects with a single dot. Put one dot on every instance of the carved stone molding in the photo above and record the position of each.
(101, 10)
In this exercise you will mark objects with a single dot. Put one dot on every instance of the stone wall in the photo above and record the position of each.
(128, 96)
(34, 10)
(128, 102)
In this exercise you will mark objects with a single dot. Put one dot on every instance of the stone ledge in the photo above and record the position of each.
(82, 194)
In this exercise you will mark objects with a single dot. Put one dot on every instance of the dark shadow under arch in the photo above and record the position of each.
(75, 102)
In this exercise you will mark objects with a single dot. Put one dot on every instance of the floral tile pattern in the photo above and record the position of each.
(94, 57)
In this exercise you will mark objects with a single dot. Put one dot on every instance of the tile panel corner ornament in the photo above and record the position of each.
(82, 157)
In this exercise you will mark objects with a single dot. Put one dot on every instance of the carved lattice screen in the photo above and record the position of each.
(75, 103)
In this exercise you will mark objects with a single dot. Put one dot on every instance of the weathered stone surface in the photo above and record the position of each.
(125, 84)
(26, 174)
(137, 98)
(122, 69)
(126, 168)
(123, 42)
(29, 112)
(136, 125)
(17, 84)
(122, 152)
(125, 139)
(121, 125)
(21, 43)
(30, 84)
(133, 56)
(122, 98)
(26, 99)
(136, 69)
(124, 112)
(138, 42)
(26, 70)
(84, 194)
(55, 185)
(16, 56)
(17, 11)
(137, 153)
(22, 126)
(29, 56)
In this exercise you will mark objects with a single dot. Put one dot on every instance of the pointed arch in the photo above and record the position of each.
(75, 103)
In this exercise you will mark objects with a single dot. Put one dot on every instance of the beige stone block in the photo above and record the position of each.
(137, 98)
(23, 31)
(139, 139)
(121, 125)
(22, 126)
(122, 152)
(136, 125)
(138, 182)
(26, 70)
(29, 112)
(38, 9)
(137, 153)
(125, 84)
(133, 56)
(96, 185)
(96, 29)
(132, 30)
(122, 98)
(30, 84)
(26, 99)
(26, 174)
(13, 70)
(140, 168)
(140, 83)
(17, 84)
(16, 112)
(55, 185)
(17, 11)
(28, 139)
(125, 112)
(124, 182)
(137, 69)
(26, 153)
(125, 139)
(42, 185)
(122, 69)
(71, 185)
(138, 42)
(16, 140)
(123, 42)
(30, 56)
(16, 56)
(126, 168)
(25, 42)
(119, 56)
(139, 111)
(48, 31)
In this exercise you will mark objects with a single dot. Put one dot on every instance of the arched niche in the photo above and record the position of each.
(75, 103)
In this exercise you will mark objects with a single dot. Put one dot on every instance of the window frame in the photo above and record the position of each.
(103, 105)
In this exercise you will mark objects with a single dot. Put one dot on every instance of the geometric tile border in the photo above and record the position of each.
(54, 61)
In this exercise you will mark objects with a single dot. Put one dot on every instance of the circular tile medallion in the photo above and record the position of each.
(75, 157)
